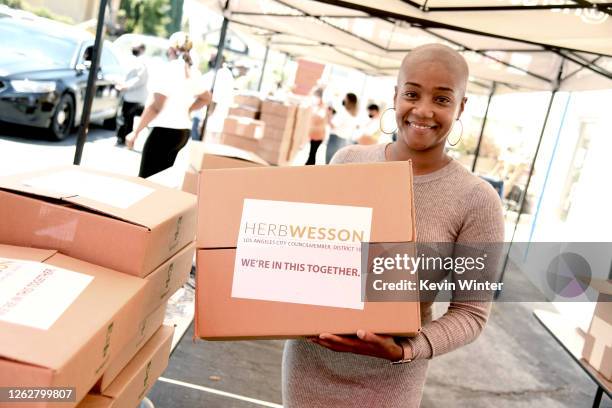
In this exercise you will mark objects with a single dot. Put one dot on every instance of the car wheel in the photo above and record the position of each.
(63, 118)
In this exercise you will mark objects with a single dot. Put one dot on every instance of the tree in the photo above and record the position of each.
(145, 16)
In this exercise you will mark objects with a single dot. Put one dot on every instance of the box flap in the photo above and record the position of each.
(384, 187)
(602, 286)
(130, 199)
(26, 254)
(48, 330)
(199, 149)
(96, 401)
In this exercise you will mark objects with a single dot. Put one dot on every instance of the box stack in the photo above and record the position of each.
(598, 340)
(300, 132)
(280, 122)
(117, 248)
(243, 133)
(307, 76)
(273, 204)
(215, 156)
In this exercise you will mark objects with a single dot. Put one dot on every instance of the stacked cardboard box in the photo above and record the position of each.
(128, 224)
(598, 340)
(307, 76)
(301, 130)
(243, 133)
(247, 106)
(280, 122)
(278, 192)
(216, 156)
(138, 377)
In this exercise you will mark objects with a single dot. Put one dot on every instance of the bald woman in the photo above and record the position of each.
(452, 205)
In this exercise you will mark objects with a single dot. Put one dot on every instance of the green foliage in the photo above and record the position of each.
(145, 16)
(17, 4)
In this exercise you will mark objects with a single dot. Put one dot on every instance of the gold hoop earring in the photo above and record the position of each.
(460, 135)
(380, 122)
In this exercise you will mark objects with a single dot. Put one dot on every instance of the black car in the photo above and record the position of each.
(43, 75)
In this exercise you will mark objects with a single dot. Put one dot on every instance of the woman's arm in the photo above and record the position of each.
(202, 100)
(150, 113)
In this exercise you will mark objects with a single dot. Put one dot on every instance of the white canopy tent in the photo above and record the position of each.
(554, 45)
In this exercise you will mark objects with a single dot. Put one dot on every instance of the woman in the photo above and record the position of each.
(169, 112)
(318, 125)
(343, 126)
(452, 205)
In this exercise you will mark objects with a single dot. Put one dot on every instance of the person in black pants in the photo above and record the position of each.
(173, 101)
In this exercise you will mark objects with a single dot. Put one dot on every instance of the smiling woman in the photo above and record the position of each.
(451, 205)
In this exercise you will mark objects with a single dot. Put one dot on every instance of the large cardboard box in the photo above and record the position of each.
(277, 156)
(138, 377)
(62, 341)
(123, 223)
(244, 127)
(301, 130)
(290, 194)
(279, 122)
(597, 349)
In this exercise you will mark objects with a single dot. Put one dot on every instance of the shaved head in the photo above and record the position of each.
(435, 54)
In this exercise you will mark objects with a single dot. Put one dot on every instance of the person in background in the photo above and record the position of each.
(319, 125)
(343, 126)
(222, 99)
(370, 131)
(136, 93)
(173, 99)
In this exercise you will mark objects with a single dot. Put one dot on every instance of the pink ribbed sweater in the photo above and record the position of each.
(452, 205)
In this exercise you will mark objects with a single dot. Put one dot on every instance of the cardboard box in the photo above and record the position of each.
(138, 377)
(219, 227)
(240, 142)
(127, 224)
(301, 130)
(244, 127)
(597, 349)
(216, 156)
(190, 181)
(252, 101)
(67, 340)
(280, 123)
(277, 156)
(146, 328)
(244, 111)
(277, 108)
(278, 134)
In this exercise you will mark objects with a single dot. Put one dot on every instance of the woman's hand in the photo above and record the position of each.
(130, 139)
(366, 343)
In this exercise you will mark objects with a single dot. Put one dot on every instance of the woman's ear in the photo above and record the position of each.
(394, 96)
(461, 106)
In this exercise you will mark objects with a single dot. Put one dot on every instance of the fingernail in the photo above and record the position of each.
(361, 334)
(323, 336)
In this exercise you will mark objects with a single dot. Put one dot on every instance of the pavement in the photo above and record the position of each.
(514, 363)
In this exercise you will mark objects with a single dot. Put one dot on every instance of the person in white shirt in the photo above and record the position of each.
(136, 93)
(222, 99)
(343, 126)
(168, 113)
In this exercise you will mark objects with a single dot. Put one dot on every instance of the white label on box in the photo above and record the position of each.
(106, 190)
(35, 294)
(301, 253)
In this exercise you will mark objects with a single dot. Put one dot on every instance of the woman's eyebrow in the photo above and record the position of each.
(438, 88)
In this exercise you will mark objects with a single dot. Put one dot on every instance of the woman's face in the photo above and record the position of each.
(428, 99)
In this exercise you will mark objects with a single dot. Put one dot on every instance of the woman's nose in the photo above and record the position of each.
(422, 109)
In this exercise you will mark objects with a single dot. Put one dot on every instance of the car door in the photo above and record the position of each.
(112, 74)
(98, 103)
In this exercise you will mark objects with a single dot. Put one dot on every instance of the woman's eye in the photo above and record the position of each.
(410, 94)
(443, 99)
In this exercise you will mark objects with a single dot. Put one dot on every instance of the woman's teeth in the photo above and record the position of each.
(414, 125)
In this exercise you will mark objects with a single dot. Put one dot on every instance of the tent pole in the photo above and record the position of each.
(263, 67)
(218, 59)
(91, 82)
(482, 128)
